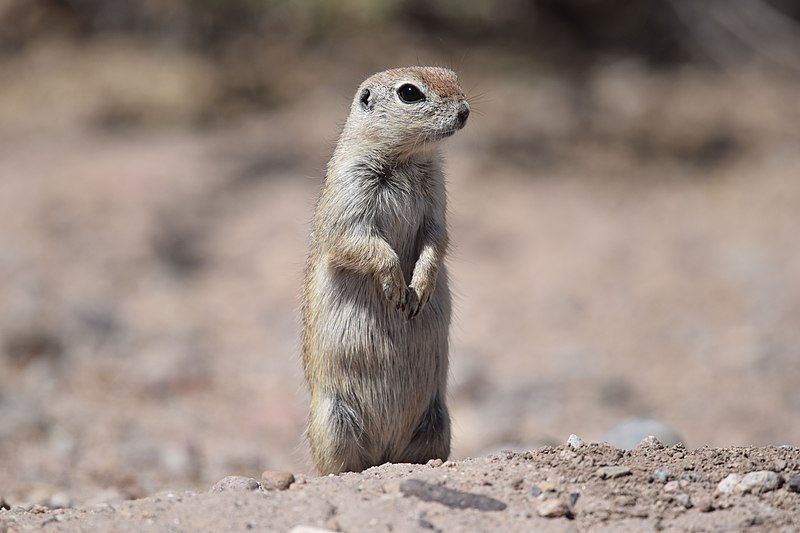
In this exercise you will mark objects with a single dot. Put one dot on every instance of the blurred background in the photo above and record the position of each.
(624, 208)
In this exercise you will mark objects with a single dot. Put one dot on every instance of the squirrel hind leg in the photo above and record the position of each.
(431, 439)
(339, 442)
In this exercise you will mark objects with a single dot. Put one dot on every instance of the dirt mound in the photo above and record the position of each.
(566, 488)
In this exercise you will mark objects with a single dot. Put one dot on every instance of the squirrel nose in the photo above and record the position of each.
(463, 113)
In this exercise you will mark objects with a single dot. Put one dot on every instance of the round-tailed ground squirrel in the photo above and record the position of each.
(376, 302)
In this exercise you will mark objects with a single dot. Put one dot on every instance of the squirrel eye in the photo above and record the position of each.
(410, 94)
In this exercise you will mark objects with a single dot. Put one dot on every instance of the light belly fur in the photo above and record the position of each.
(388, 368)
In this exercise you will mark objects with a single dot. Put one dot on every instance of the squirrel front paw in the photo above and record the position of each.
(417, 299)
(394, 288)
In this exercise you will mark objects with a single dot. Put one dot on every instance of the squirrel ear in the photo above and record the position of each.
(367, 102)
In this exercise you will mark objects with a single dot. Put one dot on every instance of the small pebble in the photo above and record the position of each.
(309, 529)
(59, 500)
(725, 503)
(611, 472)
(662, 476)
(691, 477)
(652, 442)
(794, 484)
(546, 486)
(705, 505)
(235, 484)
(535, 490)
(573, 498)
(575, 442)
(276, 480)
(299, 482)
(684, 500)
(433, 463)
(672, 486)
(555, 508)
(759, 482)
(729, 484)
(425, 523)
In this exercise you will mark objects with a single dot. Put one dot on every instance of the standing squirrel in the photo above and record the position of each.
(376, 302)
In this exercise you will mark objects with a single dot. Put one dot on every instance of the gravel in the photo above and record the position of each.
(453, 497)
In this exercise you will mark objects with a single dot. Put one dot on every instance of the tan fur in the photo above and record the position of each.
(376, 303)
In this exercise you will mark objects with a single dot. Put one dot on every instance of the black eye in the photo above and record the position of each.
(364, 99)
(410, 94)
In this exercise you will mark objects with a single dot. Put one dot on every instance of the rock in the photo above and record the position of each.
(690, 477)
(276, 480)
(672, 486)
(575, 442)
(540, 488)
(424, 523)
(59, 500)
(433, 463)
(684, 500)
(759, 482)
(546, 486)
(573, 498)
(309, 529)
(299, 481)
(794, 484)
(651, 442)
(555, 508)
(705, 505)
(725, 503)
(236, 484)
(729, 484)
(754, 482)
(451, 498)
(630, 432)
(611, 472)
(662, 476)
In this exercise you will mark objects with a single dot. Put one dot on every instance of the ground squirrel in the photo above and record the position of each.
(376, 302)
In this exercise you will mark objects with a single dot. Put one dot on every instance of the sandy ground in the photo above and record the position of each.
(624, 246)
(569, 488)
